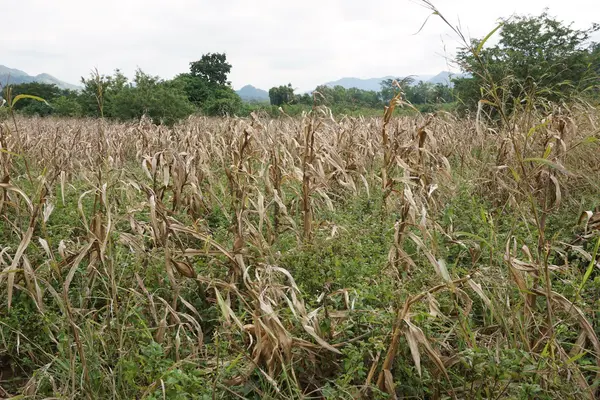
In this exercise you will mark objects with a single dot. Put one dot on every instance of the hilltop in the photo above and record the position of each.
(251, 93)
(16, 76)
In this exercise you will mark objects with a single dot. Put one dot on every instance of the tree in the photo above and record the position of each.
(342, 100)
(198, 90)
(206, 85)
(163, 101)
(224, 101)
(536, 57)
(324, 95)
(421, 93)
(213, 68)
(442, 93)
(305, 99)
(98, 92)
(281, 95)
(46, 91)
(595, 49)
(117, 98)
(65, 106)
(389, 89)
(362, 98)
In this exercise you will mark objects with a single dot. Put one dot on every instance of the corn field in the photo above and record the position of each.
(426, 256)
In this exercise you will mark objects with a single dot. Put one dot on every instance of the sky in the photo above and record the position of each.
(268, 42)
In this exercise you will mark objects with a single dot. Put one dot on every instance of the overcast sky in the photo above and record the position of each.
(268, 42)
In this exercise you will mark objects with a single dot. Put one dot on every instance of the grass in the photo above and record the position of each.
(308, 257)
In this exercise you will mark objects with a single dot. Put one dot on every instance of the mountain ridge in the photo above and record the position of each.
(251, 93)
(247, 93)
(373, 84)
(16, 76)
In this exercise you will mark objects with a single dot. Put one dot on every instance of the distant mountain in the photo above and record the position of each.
(370, 83)
(15, 76)
(375, 83)
(250, 93)
(12, 72)
(444, 77)
(358, 83)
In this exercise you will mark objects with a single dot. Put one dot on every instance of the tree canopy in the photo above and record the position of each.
(207, 87)
(213, 68)
(343, 100)
(282, 95)
(535, 57)
(204, 88)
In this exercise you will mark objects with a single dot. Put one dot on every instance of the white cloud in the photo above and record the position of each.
(268, 42)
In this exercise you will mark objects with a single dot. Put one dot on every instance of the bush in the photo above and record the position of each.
(223, 102)
(67, 107)
(36, 108)
(4, 113)
(162, 101)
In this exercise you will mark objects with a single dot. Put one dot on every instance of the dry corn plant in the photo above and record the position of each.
(188, 250)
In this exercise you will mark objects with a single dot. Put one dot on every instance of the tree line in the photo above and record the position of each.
(537, 61)
(536, 57)
(341, 98)
(204, 88)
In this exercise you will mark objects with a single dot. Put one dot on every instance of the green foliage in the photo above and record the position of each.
(98, 92)
(213, 68)
(418, 94)
(24, 321)
(351, 99)
(151, 364)
(427, 97)
(115, 97)
(223, 101)
(206, 86)
(197, 90)
(64, 106)
(537, 57)
(389, 89)
(31, 106)
(42, 90)
(164, 102)
(281, 95)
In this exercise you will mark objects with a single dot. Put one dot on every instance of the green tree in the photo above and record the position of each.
(421, 93)
(163, 101)
(357, 98)
(98, 92)
(282, 95)
(67, 106)
(206, 85)
(389, 89)
(198, 90)
(46, 91)
(213, 68)
(536, 57)
(595, 50)
(305, 99)
(223, 101)
(442, 93)
(324, 95)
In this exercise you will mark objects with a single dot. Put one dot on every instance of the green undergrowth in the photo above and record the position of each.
(348, 255)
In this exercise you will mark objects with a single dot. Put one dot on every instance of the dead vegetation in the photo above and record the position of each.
(140, 261)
